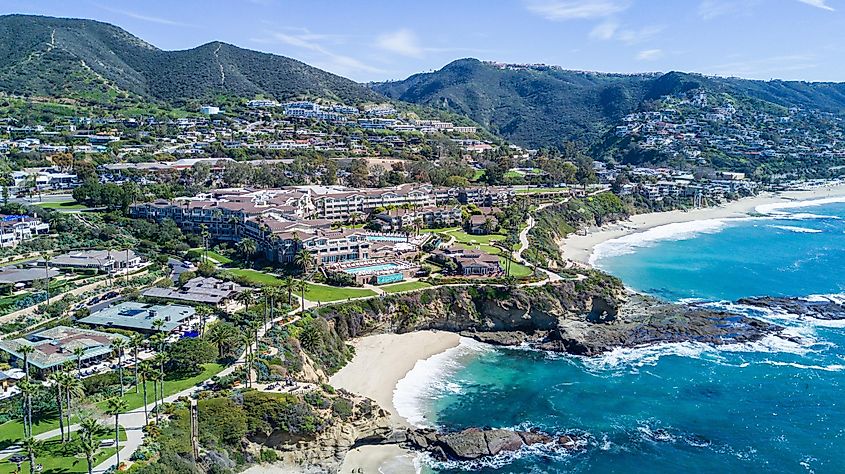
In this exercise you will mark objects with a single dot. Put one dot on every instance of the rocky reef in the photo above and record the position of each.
(817, 308)
(477, 443)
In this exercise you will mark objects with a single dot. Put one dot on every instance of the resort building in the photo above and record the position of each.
(103, 261)
(469, 262)
(16, 229)
(142, 317)
(199, 290)
(430, 217)
(55, 346)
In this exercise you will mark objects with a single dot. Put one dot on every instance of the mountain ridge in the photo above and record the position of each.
(51, 56)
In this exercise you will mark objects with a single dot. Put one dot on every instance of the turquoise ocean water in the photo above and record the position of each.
(776, 405)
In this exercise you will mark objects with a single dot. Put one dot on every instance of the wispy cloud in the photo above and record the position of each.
(649, 54)
(764, 68)
(560, 10)
(404, 42)
(818, 4)
(147, 18)
(325, 58)
(610, 30)
(710, 9)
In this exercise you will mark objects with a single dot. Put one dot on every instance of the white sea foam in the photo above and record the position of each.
(799, 230)
(827, 368)
(676, 231)
(431, 377)
(778, 207)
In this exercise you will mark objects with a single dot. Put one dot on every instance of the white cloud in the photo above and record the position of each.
(560, 10)
(818, 4)
(650, 54)
(403, 42)
(610, 30)
(605, 30)
(764, 68)
(710, 9)
(147, 18)
(325, 58)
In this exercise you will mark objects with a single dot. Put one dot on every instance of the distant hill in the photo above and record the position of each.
(90, 59)
(547, 106)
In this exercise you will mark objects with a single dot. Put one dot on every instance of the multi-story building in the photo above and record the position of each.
(17, 229)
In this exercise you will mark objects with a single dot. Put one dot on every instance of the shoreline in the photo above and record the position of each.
(380, 362)
(580, 248)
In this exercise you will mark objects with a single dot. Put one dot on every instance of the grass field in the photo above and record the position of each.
(331, 293)
(255, 277)
(464, 238)
(517, 269)
(213, 256)
(136, 400)
(56, 457)
(66, 205)
(407, 286)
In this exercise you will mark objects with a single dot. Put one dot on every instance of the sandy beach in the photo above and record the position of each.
(580, 247)
(380, 362)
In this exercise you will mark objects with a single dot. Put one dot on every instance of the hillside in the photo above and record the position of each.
(98, 61)
(546, 106)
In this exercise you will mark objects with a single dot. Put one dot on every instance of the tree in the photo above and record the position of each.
(136, 341)
(247, 248)
(204, 311)
(117, 345)
(46, 257)
(28, 389)
(304, 260)
(289, 285)
(222, 335)
(245, 298)
(88, 444)
(31, 446)
(25, 351)
(116, 406)
(57, 380)
(144, 372)
(73, 390)
(79, 352)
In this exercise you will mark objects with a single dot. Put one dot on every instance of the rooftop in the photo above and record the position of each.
(55, 346)
(140, 316)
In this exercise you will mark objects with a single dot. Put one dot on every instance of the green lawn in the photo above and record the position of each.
(464, 238)
(68, 205)
(12, 431)
(57, 458)
(407, 286)
(213, 256)
(136, 400)
(517, 270)
(255, 277)
(442, 229)
(331, 293)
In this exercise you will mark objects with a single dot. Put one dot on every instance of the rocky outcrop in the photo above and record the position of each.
(818, 308)
(325, 451)
(476, 443)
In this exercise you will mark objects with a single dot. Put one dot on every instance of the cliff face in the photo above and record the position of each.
(585, 317)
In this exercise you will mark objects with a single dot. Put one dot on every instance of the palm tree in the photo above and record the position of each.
(221, 334)
(145, 373)
(246, 338)
(57, 379)
(204, 311)
(116, 406)
(46, 257)
(73, 389)
(136, 341)
(247, 248)
(25, 351)
(158, 324)
(79, 352)
(289, 284)
(118, 345)
(301, 286)
(304, 260)
(31, 446)
(27, 388)
(204, 233)
(88, 444)
(245, 298)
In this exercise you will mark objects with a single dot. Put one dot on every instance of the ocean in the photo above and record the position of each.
(772, 406)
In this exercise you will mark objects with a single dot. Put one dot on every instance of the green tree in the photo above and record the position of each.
(115, 407)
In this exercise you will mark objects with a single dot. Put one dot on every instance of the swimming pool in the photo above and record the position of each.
(371, 268)
(386, 238)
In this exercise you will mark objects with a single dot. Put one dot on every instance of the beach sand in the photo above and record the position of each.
(380, 362)
(580, 247)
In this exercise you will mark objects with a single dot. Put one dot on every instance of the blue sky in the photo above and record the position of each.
(383, 39)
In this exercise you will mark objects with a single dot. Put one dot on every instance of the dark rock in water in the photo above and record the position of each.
(818, 309)
(498, 338)
(476, 443)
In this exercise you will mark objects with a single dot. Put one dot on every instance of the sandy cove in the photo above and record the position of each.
(380, 362)
(580, 247)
